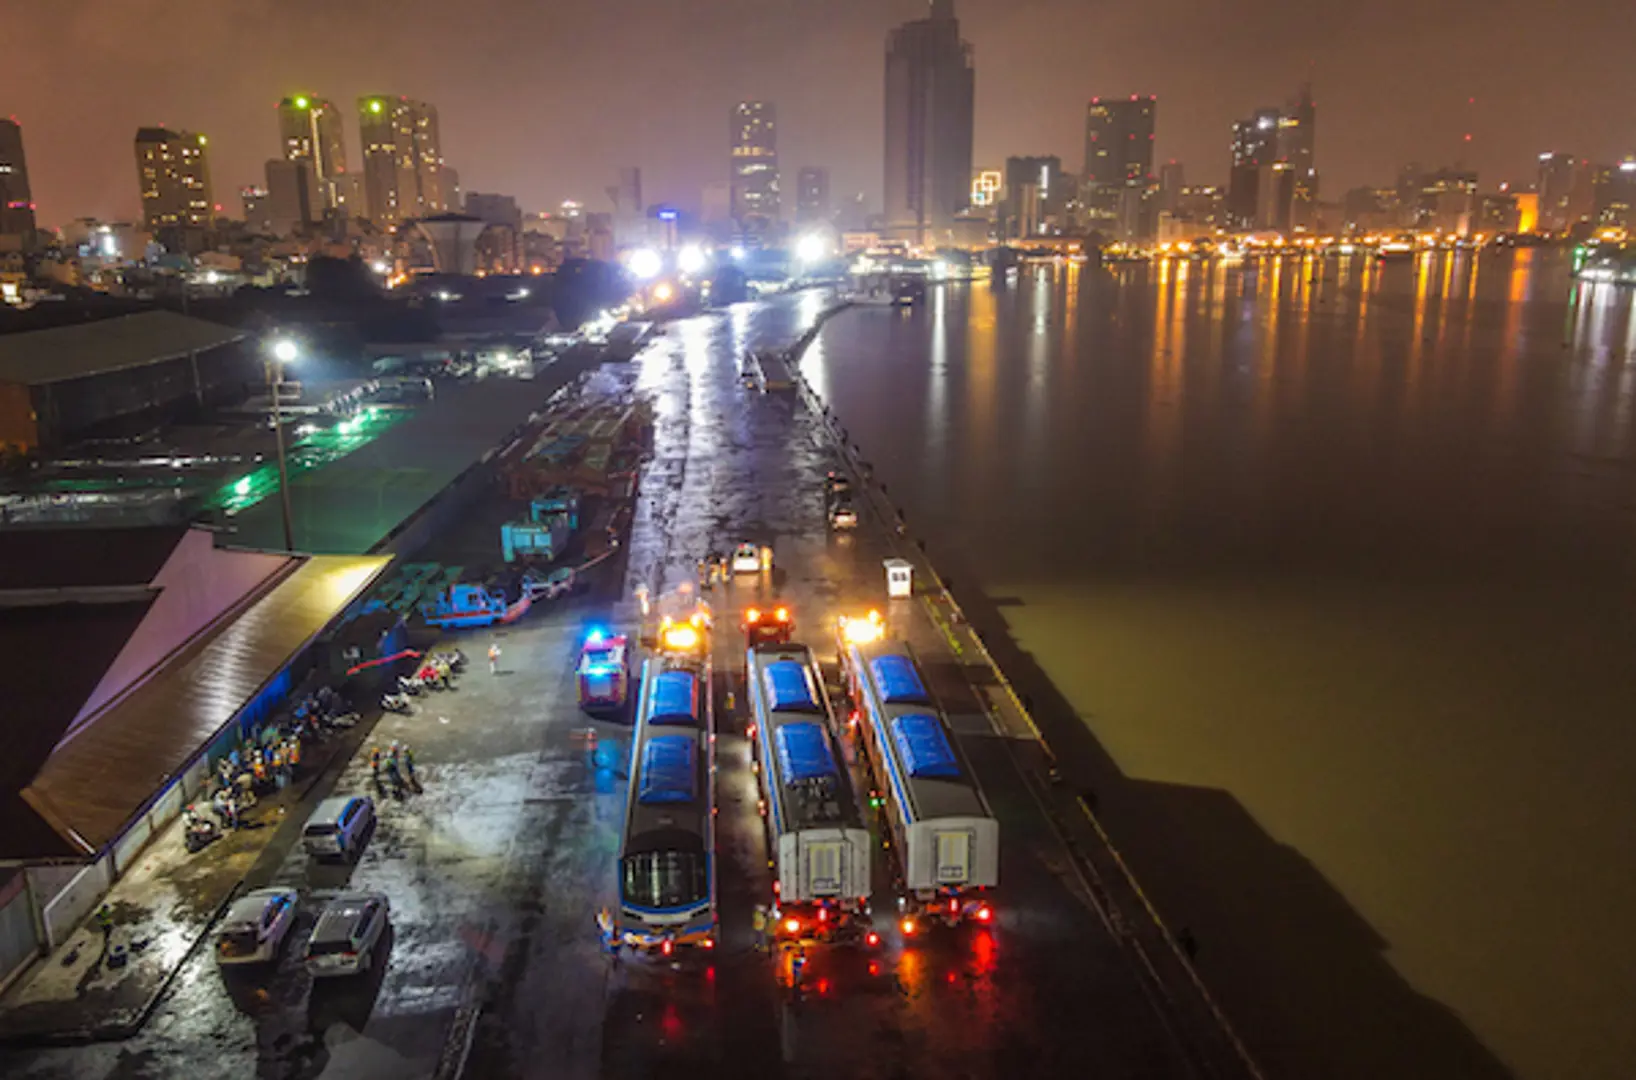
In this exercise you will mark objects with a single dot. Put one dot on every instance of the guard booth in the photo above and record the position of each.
(900, 578)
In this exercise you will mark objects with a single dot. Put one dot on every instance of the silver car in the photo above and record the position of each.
(339, 827)
(343, 942)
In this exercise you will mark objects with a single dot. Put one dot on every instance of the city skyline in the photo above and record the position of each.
(1037, 78)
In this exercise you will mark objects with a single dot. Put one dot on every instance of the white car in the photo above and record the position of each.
(255, 927)
(747, 559)
(344, 940)
(843, 516)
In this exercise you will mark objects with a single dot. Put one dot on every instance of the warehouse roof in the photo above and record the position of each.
(83, 795)
(40, 357)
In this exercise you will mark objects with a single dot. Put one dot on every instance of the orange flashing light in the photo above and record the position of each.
(792, 926)
(752, 615)
(908, 927)
(782, 614)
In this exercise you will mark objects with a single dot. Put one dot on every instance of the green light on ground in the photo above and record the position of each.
(243, 486)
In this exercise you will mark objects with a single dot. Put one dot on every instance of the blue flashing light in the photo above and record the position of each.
(667, 215)
(594, 636)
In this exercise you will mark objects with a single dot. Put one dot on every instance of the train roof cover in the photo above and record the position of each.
(668, 775)
(674, 700)
(898, 680)
(924, 747)
(803, 752)
(787, 686)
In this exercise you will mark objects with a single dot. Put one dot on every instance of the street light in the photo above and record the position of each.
(283, 351)
(811, 248)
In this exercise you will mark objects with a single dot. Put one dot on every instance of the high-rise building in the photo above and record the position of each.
(405, 176)
(1556, 182)
(1297, 145)
(1255, 145)
(173, 171)
(1172, 179)
(930, 91)
(754, 165)
(1119, 141)
(16, 200)
(293, 200)
(1614, 187)
(1034, 191)
(258, 209)
(812, 194)
(310, 129)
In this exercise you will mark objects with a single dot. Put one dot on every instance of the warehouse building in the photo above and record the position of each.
(61, 384)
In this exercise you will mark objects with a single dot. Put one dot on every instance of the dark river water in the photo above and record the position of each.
(1334, 561)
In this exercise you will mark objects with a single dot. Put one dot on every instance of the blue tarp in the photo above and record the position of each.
(898, 680)
(787, 686)
(668, 775)
(923, 747)
(803, 752)
(673, 700)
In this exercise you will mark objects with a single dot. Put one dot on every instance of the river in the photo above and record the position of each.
(1321, 572)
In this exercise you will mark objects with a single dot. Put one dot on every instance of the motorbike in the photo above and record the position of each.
(200, 832)
(398, 703)
(409, 686)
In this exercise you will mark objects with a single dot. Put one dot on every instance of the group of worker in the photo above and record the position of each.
(398, 763)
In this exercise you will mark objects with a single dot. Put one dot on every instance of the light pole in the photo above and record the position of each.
(283, 351)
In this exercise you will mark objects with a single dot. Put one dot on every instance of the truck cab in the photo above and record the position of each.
(604, 672)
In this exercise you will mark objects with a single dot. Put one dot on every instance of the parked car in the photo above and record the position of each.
(842, 515)
(343, 942)
(747, 559)
(339, 828)
(255, 927)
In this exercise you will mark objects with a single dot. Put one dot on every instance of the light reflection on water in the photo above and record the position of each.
(1350, 542)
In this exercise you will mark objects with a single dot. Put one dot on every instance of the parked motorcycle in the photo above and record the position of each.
(200, 832)
(397, 703)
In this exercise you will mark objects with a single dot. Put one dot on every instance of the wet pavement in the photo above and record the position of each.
(496, 867)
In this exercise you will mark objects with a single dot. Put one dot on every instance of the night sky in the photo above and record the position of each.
(545, 99)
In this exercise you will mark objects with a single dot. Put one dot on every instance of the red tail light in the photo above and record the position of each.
(708, 943)
(871, 938)
(985, 913)
(668, 947)
(954, 907)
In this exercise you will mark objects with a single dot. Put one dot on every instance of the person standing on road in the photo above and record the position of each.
(409, 765)
(758, 923)
(375, 763)
(494, 658)
(105, 923)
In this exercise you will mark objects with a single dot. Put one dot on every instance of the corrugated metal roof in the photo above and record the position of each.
(91, 788)
(39, 357)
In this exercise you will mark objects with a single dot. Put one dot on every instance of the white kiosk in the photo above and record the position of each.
(900, 578)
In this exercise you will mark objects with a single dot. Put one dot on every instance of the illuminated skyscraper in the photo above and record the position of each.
(1119, 141)
(173, 171)
(930, 88)
(310, 129)
(1556, 185)
(1255, 147)
(404, 171)
(754, 165)
(16, 201)
(1297, 145)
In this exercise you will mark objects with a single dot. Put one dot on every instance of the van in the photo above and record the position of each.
(339, 827)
